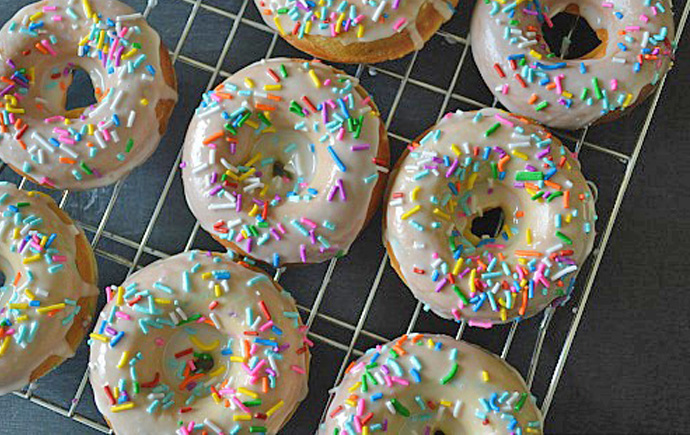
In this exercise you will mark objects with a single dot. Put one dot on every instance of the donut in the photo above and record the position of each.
(198, 342)
(133, 79)
(285, 161)
(527, 78)
(49, 295)
(475, 162)
(431, 384)
(357, 32)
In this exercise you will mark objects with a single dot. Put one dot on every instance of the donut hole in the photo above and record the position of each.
(489, 223)
(80, 93)
(571, 36)
(286, 161)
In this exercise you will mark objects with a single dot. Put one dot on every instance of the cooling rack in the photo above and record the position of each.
(210, 39)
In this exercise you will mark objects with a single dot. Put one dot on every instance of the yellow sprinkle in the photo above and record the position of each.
(249, 393)
(130, 53)
(504, 314)
(144, 102)
(360, 30)
(256, 157)
(101, 40)
(16, 234)
(507, 230)
(216, 372)
(90, 129)
(203, 346)
(36, 16)
(473, 275)
(455, 149)
(237, 359)
(22, 318)
(87, 8)
(275, 407)
(523, 282)
(44, 240)
(31, 259)
(365, 430)
(471, 180)
(123, 359)
(445, 403)
(279, 26)
(522, 261)
(29, 295)
(231, 174)
(49, 308)
(535, 54)
(254, 211)
(248, 173)
(99, 337)
(528, 235)
(518, 154)
(430, 343)
(216, 397)
(124, 407)
(410, 212)
(441, 214)
(355, 386)
(162, 301)
(628, 100)
(307, 28)
(4, 345)
(339, 22)
(485, 376)
(350, 402)
(217, 289)
(244, 234)
(120, 296)
(273, 87)
(314, 78)
(263, 191)
(458, 265)
(567, 94)
(568, 218)
(18, 306)
(414, 193)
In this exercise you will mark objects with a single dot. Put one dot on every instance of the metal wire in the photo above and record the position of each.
(312, 313)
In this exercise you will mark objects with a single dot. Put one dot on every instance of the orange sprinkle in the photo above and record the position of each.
(264, 107)
(523, 307)
(502, 162)
(189, 380)
(212, 137)
(532, 99)
(223, 95)
(67, 161)
(553, 185)
(566, 199)
(522, 253)
(519, 214)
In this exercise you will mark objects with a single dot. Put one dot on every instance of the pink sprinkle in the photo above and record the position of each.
(478, 324)
(308, 222)
(644, 18)
(607, 5)
(298, 369)
(303, 253)
(57, 18)
(505, 121)
(341, 134)
(398, 24)
(614, 84)
(159, 342)
(123, 316)
(504, 90)
(341, 188)
(266, 326)
(59, 258)
(281, 228)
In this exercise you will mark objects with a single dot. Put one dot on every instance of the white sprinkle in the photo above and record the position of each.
(130, 119)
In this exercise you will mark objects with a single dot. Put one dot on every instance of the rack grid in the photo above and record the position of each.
(357, 330)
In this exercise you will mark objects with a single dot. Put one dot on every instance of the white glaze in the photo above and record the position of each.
(49, 277)
(379, 19)
(429, 250)
(619, 83)
(103, 149)
(214, 201)
(153, 345)
(484, 395)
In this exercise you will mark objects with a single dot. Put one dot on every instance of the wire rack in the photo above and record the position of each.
(343, 340)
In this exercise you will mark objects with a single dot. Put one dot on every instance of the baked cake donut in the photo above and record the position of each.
(430, 384)
(466, 165)
(133, 78)
(517, 65)
(285, 161)
(49, 295)
(357, 32)
(198, 343)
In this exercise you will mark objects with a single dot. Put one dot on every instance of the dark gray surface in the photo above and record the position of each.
(626, 372)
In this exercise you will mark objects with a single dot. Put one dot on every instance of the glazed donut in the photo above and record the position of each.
(468, 164)
(133, 79)
(426, 384)
(50, 293)
(198, 342)
(285, 161)
(354, 32)
(518, 66)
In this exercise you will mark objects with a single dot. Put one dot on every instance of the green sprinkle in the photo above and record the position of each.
(85, 168)
(521, 402)
(537, 195)
(529, 176)
(541, 106)
(358, 130)
(400, 408)
(283, 71)
(257, 429)
(585, 92)
(230, 128)
(255, 402)
(492, 129)
(365, 385)
(554, 195)
(450, 374)
(597, 89)
(130, 144)
(563, 237)
(461, 295)
(494, 170)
